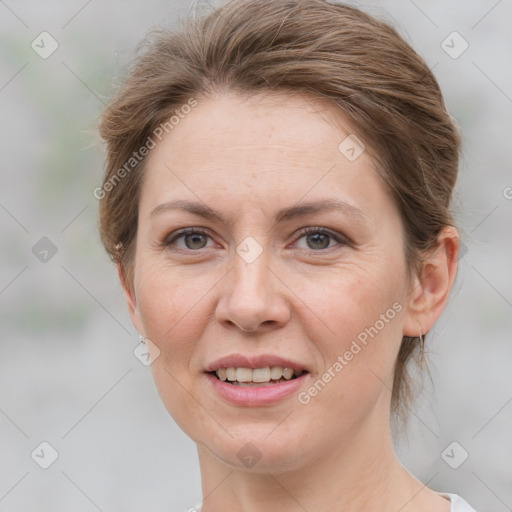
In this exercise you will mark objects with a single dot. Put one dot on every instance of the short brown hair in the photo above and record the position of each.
(334, 51)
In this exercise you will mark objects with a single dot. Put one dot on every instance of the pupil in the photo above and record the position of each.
(316, 240)
(195, 238)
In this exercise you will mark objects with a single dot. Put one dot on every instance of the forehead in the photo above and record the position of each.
(260, 148)
(274, 120)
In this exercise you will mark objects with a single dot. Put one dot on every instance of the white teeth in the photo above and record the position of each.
(230, 373)
(261, 375)
(276, 372)
(244, 374)
(288, 373)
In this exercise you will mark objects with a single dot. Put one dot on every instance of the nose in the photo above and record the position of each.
(253, 298)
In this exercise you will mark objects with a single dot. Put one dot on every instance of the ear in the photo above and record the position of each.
(430, 291)
(129, 293)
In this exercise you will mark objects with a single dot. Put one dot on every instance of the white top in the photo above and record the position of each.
(458, 504)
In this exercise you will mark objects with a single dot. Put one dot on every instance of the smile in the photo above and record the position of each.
(268, 375)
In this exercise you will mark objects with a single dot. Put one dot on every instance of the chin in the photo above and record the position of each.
(255, 447)
(259, 456)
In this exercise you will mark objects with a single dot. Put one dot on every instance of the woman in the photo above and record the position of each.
(277, 201)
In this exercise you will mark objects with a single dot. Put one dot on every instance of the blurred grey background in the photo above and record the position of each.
(68, 375)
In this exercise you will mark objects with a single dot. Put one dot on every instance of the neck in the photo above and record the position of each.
(362, 474)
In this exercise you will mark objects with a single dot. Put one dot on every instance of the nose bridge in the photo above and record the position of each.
(250, 285)
(250, 271)
(251, 296)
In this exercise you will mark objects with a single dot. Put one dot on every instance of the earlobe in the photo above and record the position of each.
(431, 289)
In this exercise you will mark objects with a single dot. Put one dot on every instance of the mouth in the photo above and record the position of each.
(249, 377)
(260, 380)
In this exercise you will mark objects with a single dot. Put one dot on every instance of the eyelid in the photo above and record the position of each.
(168, 240)
(338, 237)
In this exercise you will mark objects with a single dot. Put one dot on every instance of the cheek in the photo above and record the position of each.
(363, 312)
(358, 359)
(167, 297)
(175, 307)
(353, 297)
(172, 308)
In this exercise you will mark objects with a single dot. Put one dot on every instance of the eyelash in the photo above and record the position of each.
(304, 232)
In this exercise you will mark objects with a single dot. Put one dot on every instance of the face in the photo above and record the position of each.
(292, 254)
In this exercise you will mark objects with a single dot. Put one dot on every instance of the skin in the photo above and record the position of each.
(305, 298)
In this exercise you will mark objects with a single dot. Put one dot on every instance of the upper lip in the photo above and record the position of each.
(260, 361)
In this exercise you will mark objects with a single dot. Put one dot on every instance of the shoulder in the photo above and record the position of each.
(458, 503)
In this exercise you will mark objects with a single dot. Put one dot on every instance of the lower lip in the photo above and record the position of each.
(254, 396)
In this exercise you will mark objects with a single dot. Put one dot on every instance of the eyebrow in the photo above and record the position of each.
(286, 214)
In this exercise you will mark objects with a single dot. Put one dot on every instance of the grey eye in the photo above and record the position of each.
(318, 240)
(195, 240)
